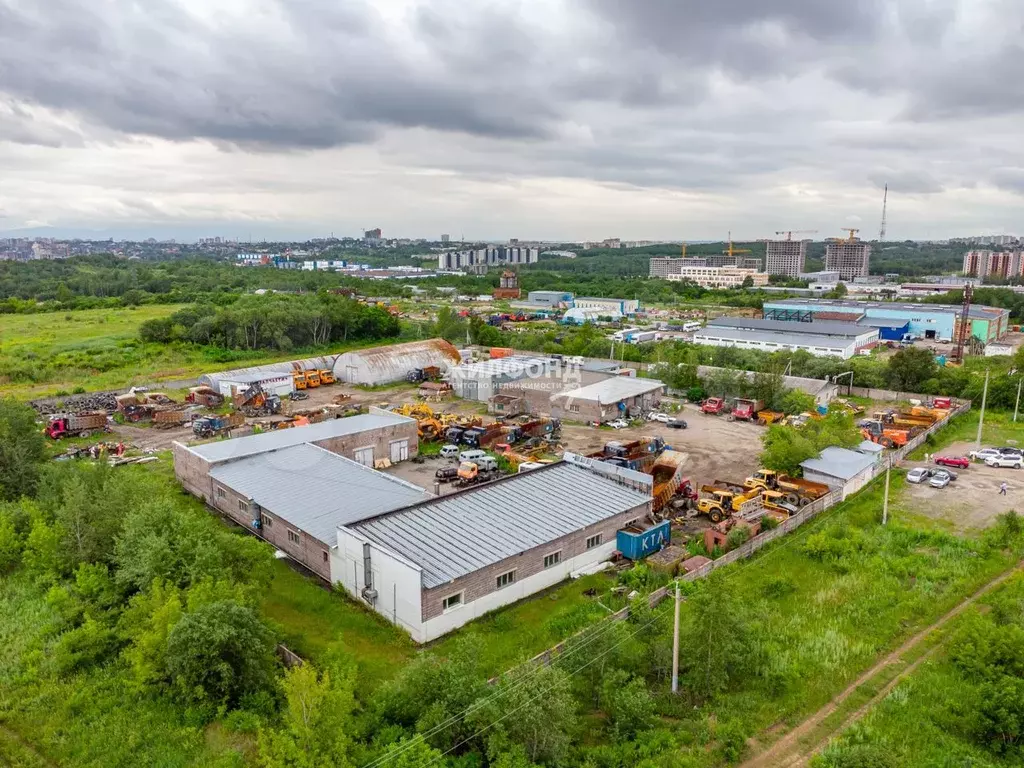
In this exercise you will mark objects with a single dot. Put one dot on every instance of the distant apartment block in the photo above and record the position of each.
(718, 277)
(847, 257)
(1005, 265)
(484, 257)
(785, 257)
(664, 266)
(445, 239)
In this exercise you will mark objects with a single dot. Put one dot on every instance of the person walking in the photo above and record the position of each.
(1002, 489)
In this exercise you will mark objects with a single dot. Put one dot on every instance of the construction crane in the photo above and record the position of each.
(885, 203)
(733, 251)
(789, 233)
(852, 232)
(684, 249)
(965, 325)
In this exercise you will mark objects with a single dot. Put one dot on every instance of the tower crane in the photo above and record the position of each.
(789, 233)
(852, 232)
(733, 251)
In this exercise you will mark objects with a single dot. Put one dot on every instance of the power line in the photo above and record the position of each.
(519, 682)
(522, 681)
(547, 690)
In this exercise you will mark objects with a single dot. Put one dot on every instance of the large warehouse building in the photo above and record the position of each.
(433, 566)
(937, 322)
(294, 487)
(481, 381)
(609, 399)
(376, 365)
(821, 338)
(383, 365)
(607, 306)
(365, 439)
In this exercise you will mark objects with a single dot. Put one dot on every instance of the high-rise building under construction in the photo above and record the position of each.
(847, 257)
(785, 257)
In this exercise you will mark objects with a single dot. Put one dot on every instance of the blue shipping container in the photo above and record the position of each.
(636, 545)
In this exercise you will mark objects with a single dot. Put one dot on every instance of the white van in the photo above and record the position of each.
(692, 326)
(526, 466)
(449, 451)
(474, 455)
(486, 464)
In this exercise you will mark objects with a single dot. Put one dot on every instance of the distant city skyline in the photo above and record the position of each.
(559, 120)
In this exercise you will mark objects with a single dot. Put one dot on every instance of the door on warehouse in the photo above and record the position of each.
(399, 450)
(365, 455)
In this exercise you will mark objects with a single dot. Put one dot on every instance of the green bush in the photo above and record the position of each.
(220, 653)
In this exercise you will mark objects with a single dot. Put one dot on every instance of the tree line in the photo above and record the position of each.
(913, 369)
(274, 322)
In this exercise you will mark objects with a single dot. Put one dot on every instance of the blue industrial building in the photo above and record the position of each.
(935, 322)
(888, 330)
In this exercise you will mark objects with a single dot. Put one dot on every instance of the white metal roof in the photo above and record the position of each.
(814, 328)
(458, 534)
(839, 462)
(613, 389)
(515, 364)
(789, 339)
(316, 490)
(251, 445)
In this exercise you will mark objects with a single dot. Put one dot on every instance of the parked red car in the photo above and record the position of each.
(953, 461)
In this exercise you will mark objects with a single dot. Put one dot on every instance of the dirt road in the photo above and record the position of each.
(791, 751)
(716, 448)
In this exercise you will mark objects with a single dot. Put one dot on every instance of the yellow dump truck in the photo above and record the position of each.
(795, 490)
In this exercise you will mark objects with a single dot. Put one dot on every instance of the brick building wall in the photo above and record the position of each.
(193, 472)
(484, 581)
(307, 550)
(379, 439)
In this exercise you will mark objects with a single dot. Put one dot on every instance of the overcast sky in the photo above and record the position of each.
(553, 119)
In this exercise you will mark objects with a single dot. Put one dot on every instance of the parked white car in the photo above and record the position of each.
(984, 454)
(618, 424)
(939, 481)
(664, 418)
(1003, 460)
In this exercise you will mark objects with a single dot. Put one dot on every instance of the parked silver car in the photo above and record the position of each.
(939, 480)
(918, 475)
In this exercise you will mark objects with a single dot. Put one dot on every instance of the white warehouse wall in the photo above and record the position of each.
(398, 582)
(844, 351)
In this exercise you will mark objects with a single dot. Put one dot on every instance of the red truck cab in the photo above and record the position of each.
(713, 405)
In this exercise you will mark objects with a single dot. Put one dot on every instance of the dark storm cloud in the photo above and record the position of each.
(304, 74)
(684, 94)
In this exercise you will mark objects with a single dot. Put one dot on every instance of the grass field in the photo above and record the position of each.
(312, 621)
(89, 350)
(94, 349)
(920, 721)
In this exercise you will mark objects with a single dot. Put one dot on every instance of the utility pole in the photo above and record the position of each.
(981, 418)
(1016, 405)
(885, 501)
(675, 646)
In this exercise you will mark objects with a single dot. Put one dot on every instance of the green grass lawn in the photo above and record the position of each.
(98, 349)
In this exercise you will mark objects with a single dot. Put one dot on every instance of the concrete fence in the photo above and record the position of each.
(811, 511)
